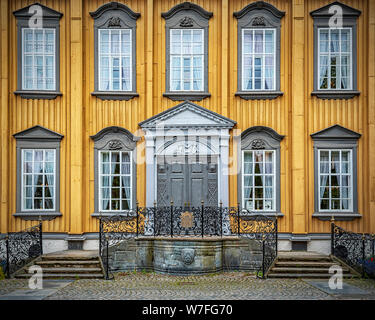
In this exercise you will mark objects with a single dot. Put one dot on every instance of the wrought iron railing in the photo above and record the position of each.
(19, 248)
(177, 221)
(356, 250)
(263, 229)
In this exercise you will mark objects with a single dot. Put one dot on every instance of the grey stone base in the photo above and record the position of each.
(186, 256)
(75, 242)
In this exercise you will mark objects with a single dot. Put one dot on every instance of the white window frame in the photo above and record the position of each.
(182, 56)
(338, 79)
(262, 55)
(33, 174)
(118, 55)
(33, 54)
(273, 174)
(120, 175)
(350, 207)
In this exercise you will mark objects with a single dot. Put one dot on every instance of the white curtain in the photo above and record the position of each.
(323, 178)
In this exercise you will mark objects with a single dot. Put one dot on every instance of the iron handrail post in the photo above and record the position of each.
(202, 211)
(154, 211)
(41, 236)
(363, 254)
(107, 260)
(100, 235)
(277, 233)
(172, 219)
(332, 235)
(221, 218)
(263, 252)
(7, 252)
(238, 219)
(137, 213)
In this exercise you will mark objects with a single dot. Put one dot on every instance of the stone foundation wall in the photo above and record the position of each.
(186, 256)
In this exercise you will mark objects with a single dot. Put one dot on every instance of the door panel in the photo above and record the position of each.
(185, 181)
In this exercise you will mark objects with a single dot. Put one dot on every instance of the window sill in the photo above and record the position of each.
(114, 95)
(258, 95)
(339, 216)
(32, 216)
(183, 96)
(42, 94)
(129, 213)
(333, 94)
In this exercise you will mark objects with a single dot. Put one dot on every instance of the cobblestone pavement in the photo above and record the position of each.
(236, 285)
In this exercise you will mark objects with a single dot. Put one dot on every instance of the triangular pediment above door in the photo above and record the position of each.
(188, 115)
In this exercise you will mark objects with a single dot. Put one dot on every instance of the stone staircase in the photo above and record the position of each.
(69, 264)
(307, 265)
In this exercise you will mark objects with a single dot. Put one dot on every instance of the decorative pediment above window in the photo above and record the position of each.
(260, 137)
(324, 12)
(336, 133)
(187, 15)
(115, 14)
(48, 13)
(38, 133)
(259, 14)
(335, 136)
(115, 138)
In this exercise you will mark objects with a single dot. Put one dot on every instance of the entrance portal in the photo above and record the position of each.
(187, 180)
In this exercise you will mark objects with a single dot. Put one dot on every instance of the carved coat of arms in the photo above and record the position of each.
(187, 255)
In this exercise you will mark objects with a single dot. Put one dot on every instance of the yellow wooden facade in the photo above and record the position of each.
(77, 114)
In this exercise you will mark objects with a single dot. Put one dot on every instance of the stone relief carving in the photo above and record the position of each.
(186, 22)
(114, 22)
(115, 145)
(187, 255)
(259, 21)
(257, 144)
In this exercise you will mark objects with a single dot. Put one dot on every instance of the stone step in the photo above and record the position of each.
(304, 270)
(69, 264)
(308, 258)
(304, 263)
(305, 275)
(71, 270)
(67, 276)
(68, 258)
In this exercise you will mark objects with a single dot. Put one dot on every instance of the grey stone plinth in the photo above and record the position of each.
(186, 256)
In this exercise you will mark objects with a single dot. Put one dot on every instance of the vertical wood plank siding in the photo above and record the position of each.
(77, 83)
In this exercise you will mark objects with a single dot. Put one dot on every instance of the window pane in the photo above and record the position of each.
(335, 58)
(335, 180)
(38, 71)
(186, 49)
(263, 178)
(115, 60)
